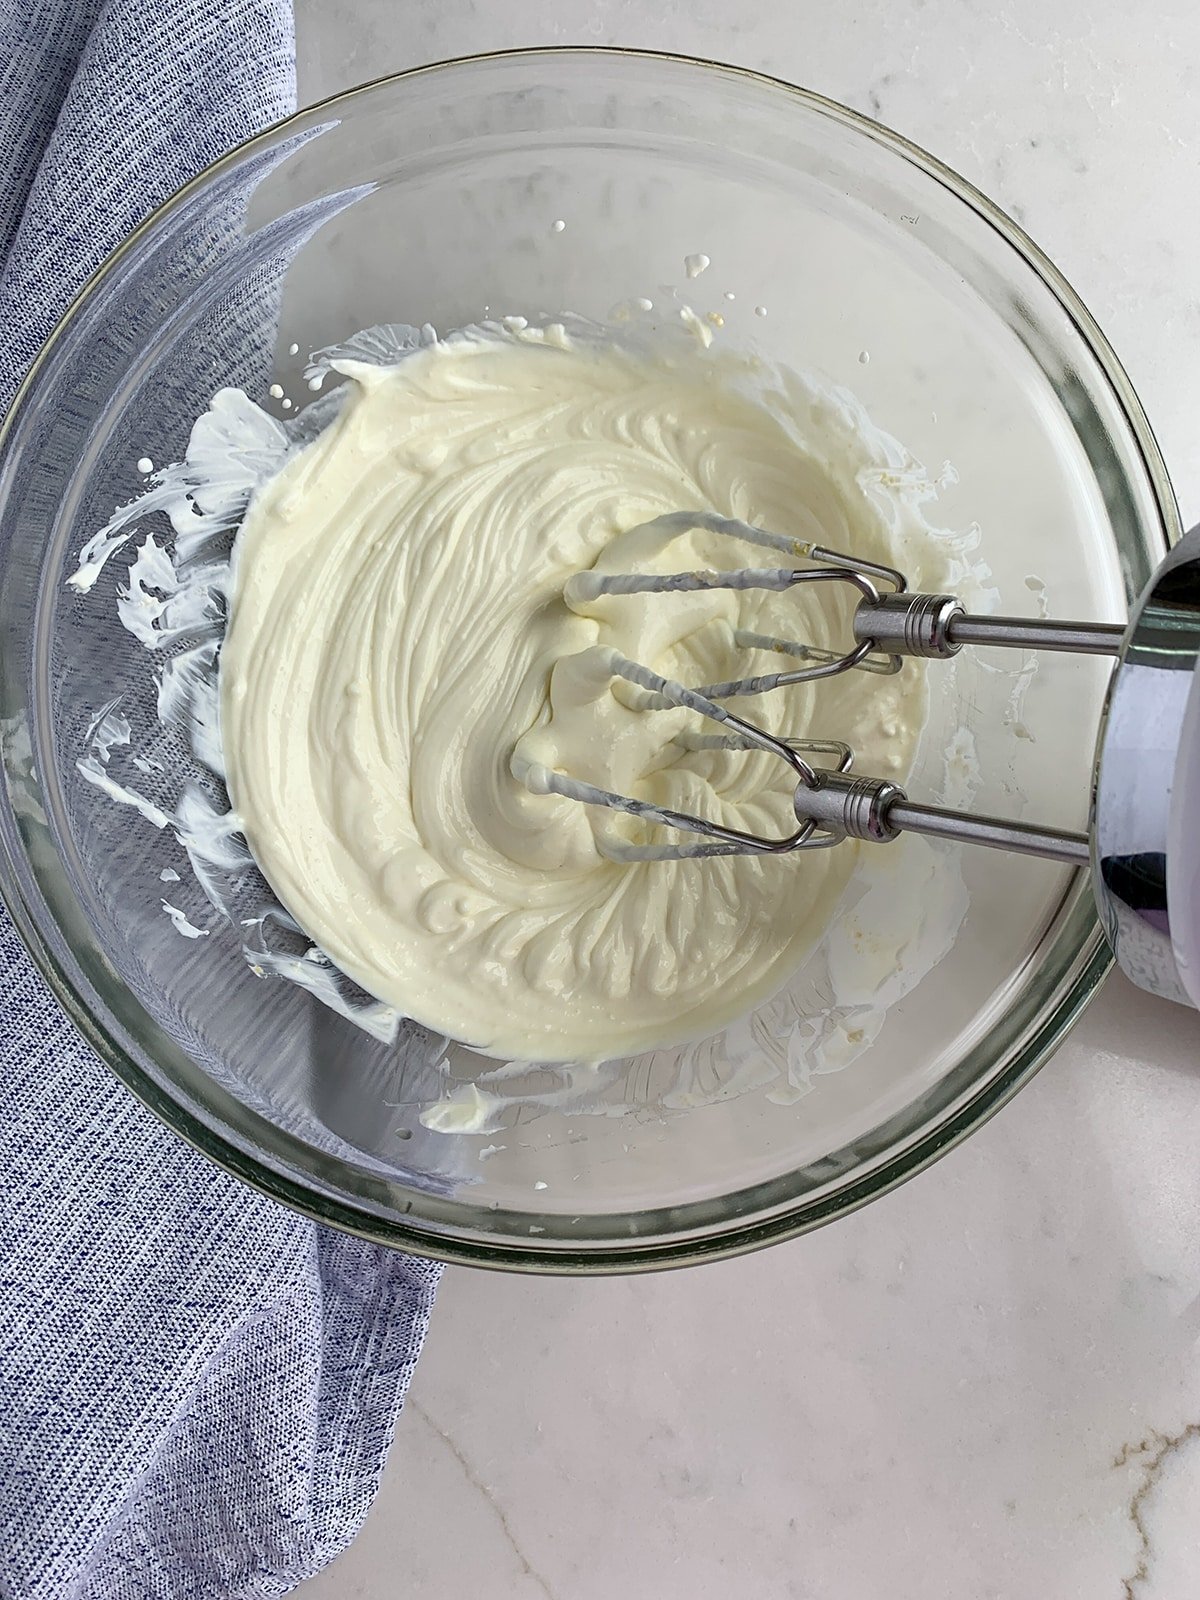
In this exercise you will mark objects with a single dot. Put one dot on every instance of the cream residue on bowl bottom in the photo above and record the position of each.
(398, 630)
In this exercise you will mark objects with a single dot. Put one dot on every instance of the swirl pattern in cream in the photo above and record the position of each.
(398, 633)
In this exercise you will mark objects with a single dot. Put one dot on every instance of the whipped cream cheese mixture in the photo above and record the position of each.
(399, 658)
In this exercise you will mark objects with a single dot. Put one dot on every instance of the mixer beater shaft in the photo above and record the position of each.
(888, 624)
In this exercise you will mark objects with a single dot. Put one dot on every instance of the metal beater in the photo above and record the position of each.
(1143, 839)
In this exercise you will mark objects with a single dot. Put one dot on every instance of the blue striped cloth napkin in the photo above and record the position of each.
(197, 1388)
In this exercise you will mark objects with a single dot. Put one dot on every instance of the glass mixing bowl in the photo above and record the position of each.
(435, 196)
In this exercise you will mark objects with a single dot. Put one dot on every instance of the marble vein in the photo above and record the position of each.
(1151, 1453)
(477, 1483)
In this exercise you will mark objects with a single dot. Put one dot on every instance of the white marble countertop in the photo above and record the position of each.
(987, 1385)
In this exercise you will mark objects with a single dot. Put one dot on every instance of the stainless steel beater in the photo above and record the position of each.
(1143, 840)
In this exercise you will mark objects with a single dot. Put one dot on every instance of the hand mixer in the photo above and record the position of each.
(1143, 839)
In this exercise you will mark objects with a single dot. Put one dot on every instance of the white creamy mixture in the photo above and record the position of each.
(398, 647)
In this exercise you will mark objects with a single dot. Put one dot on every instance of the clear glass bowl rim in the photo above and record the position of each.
(1072, 990)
